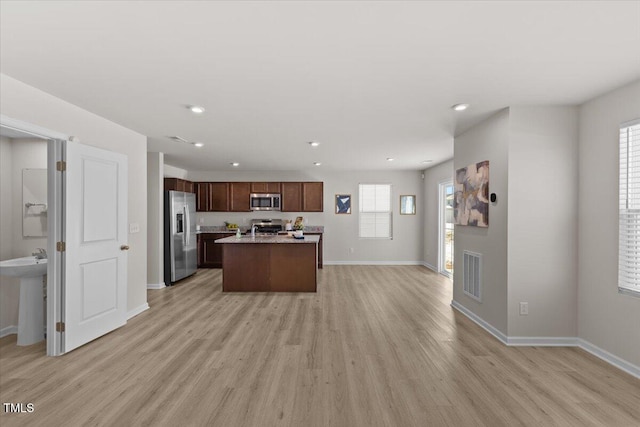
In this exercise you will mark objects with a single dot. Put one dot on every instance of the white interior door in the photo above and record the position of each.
(95, 233)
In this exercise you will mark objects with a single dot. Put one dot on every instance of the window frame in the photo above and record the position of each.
(623, 202)
(361, 211)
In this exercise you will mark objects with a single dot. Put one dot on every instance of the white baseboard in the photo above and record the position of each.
(542, 341)
(475, 318)
(373, 263)
(612, 359)
(9, 330)
(429, 266)
(137, 310)
(156, 285)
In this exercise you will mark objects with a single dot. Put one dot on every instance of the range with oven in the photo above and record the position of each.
(267, 226)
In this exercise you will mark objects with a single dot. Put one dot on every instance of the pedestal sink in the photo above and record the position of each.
(31, 271)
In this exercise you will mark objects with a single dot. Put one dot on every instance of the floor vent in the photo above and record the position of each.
(472, 274)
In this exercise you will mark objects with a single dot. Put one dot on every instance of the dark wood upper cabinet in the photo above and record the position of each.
(239, 196)
(235, 196)
(177, 184)
(265, 187)
(218, 197)
(291, 196)
(312, 196)
(212, 196)
(202, 196)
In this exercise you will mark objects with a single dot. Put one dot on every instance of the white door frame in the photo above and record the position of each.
(55, 215)
(441, 242)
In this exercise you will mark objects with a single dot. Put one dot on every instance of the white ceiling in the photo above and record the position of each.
(368, 80)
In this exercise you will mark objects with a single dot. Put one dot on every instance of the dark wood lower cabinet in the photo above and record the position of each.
(319, 247)
(210, 254)
(265, 267)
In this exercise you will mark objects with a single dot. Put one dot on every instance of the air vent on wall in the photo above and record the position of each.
(472, 274)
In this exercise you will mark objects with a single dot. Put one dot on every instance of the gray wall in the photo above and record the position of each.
(155, 231)
(488, 140)
(22, 102)
(341, 231)
(543, 221)
(431, 206)
(606, 318)
(552, 239)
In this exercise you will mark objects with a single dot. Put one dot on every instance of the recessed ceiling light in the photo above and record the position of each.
(390, 159)
(198, 144)
(427, 161)
(235, 164)
(317, 163)
(460, 107)
(196, 109)
(314, 143)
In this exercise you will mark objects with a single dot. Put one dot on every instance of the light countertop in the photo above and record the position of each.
(215, 229)
(269, 239)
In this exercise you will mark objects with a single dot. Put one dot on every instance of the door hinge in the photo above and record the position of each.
(61, 166)
(59, 326)
(61, 246)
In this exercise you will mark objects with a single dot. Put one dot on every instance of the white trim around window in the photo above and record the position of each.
(375, 212)
(629, 210)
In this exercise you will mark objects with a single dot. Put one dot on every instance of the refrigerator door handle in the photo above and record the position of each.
(187, 226)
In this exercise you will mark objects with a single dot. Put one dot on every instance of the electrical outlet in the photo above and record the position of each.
(201, 220)
(351, 250)
(524, 308)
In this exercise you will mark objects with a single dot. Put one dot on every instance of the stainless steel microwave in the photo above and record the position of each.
(265, 202)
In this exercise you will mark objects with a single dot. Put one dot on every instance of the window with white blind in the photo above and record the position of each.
(629, 219)
(375, 211)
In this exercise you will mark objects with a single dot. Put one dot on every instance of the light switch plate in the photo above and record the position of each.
(134, 227)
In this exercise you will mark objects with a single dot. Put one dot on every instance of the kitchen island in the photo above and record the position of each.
(269, 264)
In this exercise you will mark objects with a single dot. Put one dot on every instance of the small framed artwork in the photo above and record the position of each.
(407, 205)
(343, 203)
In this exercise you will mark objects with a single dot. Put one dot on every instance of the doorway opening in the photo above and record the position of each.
(26, 231)
(446, 229)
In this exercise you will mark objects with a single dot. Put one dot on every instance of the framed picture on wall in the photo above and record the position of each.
(407, 205)
(343, 203)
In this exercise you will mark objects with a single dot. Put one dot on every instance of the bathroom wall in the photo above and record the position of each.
(34, 202)
(9, 290)
(15, 155)
(26, 154)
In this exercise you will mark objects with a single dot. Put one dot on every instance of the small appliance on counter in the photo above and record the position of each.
(180, 247)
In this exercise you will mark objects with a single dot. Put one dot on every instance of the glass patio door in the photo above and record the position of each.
(445, 257)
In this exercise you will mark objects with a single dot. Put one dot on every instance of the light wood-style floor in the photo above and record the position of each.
(376, 346)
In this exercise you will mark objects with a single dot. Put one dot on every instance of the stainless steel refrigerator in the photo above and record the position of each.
(180, 248)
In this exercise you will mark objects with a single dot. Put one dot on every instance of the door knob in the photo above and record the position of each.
(124, 247)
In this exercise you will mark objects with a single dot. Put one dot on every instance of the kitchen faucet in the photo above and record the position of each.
(40, 254)
(253, 230)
